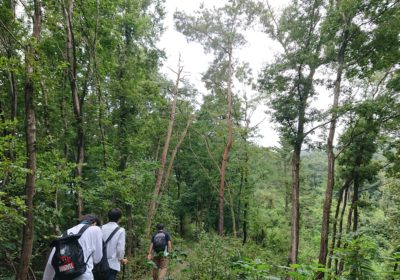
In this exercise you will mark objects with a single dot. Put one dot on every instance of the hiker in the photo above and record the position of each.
(160, 247)
(116, 244)
(66, 261)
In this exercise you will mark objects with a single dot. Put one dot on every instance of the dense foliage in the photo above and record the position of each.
(88, 123)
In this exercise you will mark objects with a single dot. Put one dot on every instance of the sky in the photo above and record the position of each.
(258, 51)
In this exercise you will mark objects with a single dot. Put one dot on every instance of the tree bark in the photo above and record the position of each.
(341, 197)
(339, 241)
(167, 139)
(331, 160)
(232, 215)
(174, 152)
(246, 206)
(295, 197)
(30, 126)
(77, 105)
(227, 147)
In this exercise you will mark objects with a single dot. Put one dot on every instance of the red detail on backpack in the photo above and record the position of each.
(65, 264)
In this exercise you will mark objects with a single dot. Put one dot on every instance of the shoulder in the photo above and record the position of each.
(121, 230)
(94, 230)
(168, 235)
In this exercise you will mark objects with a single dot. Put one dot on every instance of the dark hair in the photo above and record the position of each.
(160, 226)
(90, 219)
(114, 215)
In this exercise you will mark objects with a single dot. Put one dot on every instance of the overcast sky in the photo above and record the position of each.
(257, 52)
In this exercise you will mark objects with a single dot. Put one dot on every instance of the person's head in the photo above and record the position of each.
(90, 219)
(160, 226)
(114, 215)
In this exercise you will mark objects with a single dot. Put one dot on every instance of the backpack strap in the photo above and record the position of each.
(111, 235)
(80, 232)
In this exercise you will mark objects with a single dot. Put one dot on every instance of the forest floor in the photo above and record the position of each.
(174, 272)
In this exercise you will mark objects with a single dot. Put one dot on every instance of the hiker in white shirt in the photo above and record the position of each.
(91, 243)
(116, 245)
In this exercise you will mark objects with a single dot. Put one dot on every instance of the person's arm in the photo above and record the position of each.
(169, 246)
(97, 242)
(121, 247)
(149, 254)
(49, 272)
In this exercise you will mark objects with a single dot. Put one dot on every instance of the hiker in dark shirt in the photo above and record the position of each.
(160, 247)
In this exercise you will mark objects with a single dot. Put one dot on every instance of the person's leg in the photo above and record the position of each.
(162, 268)
(155, 269)
(162, 273)
(155, 273)
(112, 274)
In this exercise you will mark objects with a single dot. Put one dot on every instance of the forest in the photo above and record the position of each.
(89, 122)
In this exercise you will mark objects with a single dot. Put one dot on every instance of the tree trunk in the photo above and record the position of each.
(295, 217)
(13, 92)
(303, 90)
(335, 221)
(287, 186)
(339, 241)
(331, 156)
(77, 105)
(246, 206)
(227, 147)
(232, 215)
(173, 154)
(354, 203)
(30, 125)
(167, 139)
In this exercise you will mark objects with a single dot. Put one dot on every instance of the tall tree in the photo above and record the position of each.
(290, 84)
(30, 130)
(219, 31)
(77, 97)
(339, 21)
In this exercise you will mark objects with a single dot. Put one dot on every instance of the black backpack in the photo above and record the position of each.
(159, 241)
(102, 269)
(68, 259)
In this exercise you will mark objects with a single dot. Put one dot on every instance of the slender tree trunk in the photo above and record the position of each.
(287, 188)
(339, 241)
(227, 147)
(45, 109)
(77, 105)
(246, 206)
(354, 203)
(239, 197)
(348, 229)
(303, 89)
(27, 238)
(173, 154)
(232, 215)
(13, 92)
(335, 221)
(331, 156)
(295, 217)
(167, 139)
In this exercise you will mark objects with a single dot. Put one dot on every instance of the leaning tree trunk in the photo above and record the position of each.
(163, 160)
(27, 239)
(227, 147)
